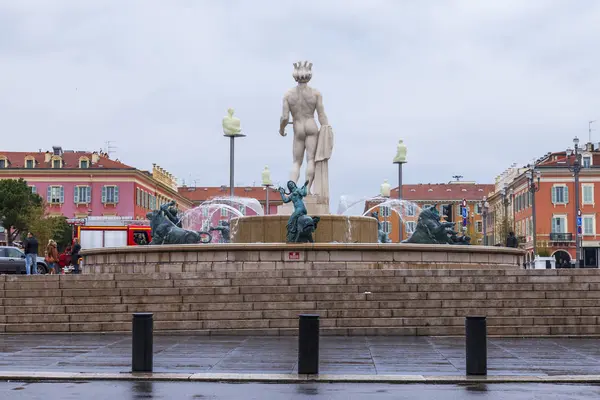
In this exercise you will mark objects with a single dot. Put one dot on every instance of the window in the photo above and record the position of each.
(478, 226)
(55, 195)
(587, 162)
(138, 197)
(3, 163)
(560, 194)
(29, 163)
(82, 195)
(224, 212)
(13, 253)
(242, 209)
(33, 189)
(110, 194)
(205, 211)
(589, 225)
(384, 211)
(410, 210)
(410, 227)
(84, 163)
(477, 208)
(588, 193)
(530, 230)
(559, 224)
(386, 226)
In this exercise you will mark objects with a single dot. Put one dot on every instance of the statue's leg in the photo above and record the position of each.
(298, 151)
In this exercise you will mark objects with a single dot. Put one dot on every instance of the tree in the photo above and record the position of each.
(17, 203)
(47, 227)
(63, 232)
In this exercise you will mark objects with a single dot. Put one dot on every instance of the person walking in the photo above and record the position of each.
(512, 241)
(75, 255)
(30, 247)
(52, 257)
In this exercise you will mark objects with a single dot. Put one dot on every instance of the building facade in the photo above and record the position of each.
(446, 196)
(556, 210)
(80, 184)
(199, 195)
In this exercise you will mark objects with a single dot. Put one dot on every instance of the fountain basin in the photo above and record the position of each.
(282, 256)
(331, 228)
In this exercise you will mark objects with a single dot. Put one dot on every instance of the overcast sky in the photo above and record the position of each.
(471, 86)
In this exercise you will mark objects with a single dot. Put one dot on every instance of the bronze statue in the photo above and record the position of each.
(430, 230)
(300, 226)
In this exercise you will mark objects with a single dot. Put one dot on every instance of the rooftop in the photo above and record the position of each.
(70, 159)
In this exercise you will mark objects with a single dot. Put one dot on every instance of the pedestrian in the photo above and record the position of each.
(75, 255)
(30, 247)
(512, 241)
(52, 257)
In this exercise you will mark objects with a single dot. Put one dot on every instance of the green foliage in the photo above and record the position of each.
(46, 227)
(17, 204)
(63, 232)
(542, 249)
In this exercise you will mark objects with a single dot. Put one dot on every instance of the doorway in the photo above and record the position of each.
(590, 257)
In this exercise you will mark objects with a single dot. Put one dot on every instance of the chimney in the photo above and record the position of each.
(47, 157)
(95, 157)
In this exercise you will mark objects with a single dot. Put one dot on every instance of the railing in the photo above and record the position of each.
(561, 237)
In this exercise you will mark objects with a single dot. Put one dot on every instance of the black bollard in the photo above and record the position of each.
(308, 344)
(476, 344)
(141, 342)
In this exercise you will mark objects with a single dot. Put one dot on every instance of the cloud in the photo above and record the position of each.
(470, 86)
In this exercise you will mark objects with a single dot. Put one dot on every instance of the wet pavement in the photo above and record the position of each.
(278, 355)
(218, 391)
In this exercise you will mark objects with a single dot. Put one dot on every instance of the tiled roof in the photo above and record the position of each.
(444, 191)
(199, 194)
(16, 159)
(559, 159)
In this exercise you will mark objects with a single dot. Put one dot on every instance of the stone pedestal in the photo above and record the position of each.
(315, 205)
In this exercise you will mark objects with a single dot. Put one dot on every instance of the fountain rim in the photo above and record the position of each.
(387, 247)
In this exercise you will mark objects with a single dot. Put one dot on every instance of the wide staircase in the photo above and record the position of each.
(350, 302)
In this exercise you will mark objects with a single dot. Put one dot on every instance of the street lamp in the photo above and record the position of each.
(484, 213)
(507, 196)
(267, 183)
(575, 167)
(532, 187)
(400, 159)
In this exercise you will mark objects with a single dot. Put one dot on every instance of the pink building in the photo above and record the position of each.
(79, 184)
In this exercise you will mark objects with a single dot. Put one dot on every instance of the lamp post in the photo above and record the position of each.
(484, 213)
(267, 183)
(400, 159)
(575, 167)
(385, 193)
(532, 187)
(231, 129)
(506, 201)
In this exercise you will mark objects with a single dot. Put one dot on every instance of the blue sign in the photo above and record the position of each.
(464, 222)
(579, 221)
(464, 212)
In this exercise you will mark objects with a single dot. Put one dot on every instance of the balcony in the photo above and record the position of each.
(561, 237)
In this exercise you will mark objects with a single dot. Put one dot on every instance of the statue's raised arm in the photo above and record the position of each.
(284, 198)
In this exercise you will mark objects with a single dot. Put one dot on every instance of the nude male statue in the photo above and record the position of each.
(302, 101)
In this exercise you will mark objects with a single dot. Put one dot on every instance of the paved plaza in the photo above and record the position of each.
(431, 356)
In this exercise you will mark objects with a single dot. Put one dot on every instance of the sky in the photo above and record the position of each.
(470, 86)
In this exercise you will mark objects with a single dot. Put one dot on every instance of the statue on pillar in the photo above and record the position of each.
(302, 102)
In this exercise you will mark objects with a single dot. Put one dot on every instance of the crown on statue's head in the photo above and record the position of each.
(302, 71)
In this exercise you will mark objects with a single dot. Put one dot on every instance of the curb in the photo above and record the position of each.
(292, 378)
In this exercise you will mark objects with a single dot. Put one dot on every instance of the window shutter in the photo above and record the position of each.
(554, 225)
(566, 194)
(103, 194)
(89, 195)
(49, 194)
(554, 194)
(62, 195)
(76, 194)
(116, 194)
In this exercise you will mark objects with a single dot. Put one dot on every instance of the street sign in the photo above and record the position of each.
(464, 202)
(579, 213)
(464, 212)
(464, 222)
(579, 221)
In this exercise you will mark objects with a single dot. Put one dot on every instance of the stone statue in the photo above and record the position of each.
(165, 231)
(382, 237)
(302, 101)
(223, 227)
(300, 226)
(430, 230)
(231, 124)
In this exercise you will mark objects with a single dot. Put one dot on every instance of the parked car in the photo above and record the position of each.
(12, 261)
